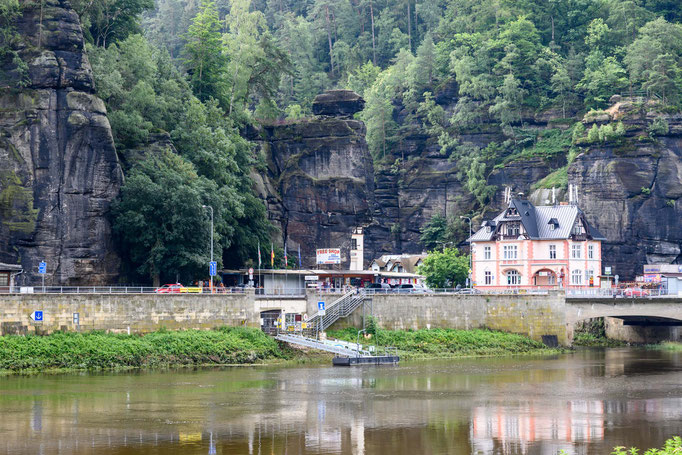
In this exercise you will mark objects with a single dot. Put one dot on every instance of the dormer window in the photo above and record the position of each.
(513, 229)
(553, 224)
(488, 229)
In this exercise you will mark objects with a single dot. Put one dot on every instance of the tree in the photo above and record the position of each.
(434, 232)
(446, 268)
(159, 221)
(109, 21)
(204, 57)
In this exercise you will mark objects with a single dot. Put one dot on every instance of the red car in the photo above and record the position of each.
(170, 289)
(635, 292)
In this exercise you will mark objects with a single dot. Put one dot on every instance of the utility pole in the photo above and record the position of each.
(211, 275)
(471, 253)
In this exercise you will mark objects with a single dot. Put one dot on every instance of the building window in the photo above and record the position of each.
(576, 277)
(551, 279)
(510, 251)
(552, 251)
(488, 229)
(575, 251)
(487, 253)
(488, 277)
(513, 229)
(590, 251)
(353, 244)
(513, 278)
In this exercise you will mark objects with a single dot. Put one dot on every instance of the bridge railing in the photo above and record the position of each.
(630, 293)
(117, 290)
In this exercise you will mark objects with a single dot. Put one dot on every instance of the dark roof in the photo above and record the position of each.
(537, 220)
(10, 267)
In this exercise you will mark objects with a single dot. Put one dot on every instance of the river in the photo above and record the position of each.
(584, 402)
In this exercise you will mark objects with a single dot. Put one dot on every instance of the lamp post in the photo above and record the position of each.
(470, 249)
(211, 276)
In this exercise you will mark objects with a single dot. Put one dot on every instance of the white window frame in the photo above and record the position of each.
(590, 251)
(552, 251)
(487, 252)
(576, 277)
(488, 277)
(513, 277)
(511, 252)
(576, 251)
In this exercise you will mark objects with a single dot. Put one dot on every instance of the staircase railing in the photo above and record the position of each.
(340, 308)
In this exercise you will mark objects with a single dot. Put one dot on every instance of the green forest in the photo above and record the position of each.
(200, 73)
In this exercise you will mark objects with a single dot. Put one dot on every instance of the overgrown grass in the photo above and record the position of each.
(672, 446)
(557, 179)
(448, 342)
(99, 350)
(667, 346)
(592, 332)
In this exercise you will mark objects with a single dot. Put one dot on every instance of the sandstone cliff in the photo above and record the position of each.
(58, 166)
(318, 183)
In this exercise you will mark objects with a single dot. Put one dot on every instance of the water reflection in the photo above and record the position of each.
(583, 403)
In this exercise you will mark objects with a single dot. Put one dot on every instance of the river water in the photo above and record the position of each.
(584, 403)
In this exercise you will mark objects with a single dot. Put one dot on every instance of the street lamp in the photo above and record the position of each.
(470, 249)
(211, 276)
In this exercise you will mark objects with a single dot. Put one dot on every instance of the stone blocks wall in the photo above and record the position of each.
(531, 315)
(137, 313)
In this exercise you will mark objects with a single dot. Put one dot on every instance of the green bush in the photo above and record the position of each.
(593, 134)
(659, 127)
(446, 342)
(99, 350)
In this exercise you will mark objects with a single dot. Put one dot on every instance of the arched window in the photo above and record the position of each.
(513, 278)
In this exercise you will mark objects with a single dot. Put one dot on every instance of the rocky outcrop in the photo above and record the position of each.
(318, 183)
(631, 190)
(338, 103)
(58, 166)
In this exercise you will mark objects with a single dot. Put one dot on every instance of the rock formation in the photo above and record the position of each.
(58, 166)
(319, 181)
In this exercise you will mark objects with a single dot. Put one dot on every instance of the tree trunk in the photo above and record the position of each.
(374, 49)
(329, 38)
(552, 17)
(409, 26)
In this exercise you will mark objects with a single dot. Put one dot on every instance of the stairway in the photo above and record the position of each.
(340, 308)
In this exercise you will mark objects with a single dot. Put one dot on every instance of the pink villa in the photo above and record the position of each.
(544, 247)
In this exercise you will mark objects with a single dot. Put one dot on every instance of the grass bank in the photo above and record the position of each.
(667, 346)
(99, 350)
(414, 344)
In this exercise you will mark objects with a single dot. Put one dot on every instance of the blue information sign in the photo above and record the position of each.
(320, 306)
(42, 268)
(37, 316)
(213, 268)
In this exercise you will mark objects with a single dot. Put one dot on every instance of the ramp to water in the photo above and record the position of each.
(347, 354)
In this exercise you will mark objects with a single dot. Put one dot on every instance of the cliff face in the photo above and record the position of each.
(319, 181)
(632, 191)
(58, 166)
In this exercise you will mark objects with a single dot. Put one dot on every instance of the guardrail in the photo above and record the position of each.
(116, 290)
(630, 293)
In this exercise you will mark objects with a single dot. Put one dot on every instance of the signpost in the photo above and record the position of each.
(321, 309)
(213, 268)
(42, 270)
(250, 276)
(37, 316)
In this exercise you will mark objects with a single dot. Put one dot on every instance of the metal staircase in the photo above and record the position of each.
(339, 348)
(340, 308)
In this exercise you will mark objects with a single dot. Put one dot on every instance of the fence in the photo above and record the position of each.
(630, 293)
(116, 290)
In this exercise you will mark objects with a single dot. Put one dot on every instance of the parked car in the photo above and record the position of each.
(635, 292)
(414, 288)
(175, 288)
(384, 287)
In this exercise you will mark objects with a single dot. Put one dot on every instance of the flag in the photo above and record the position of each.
(272, 256)
(286, 263)
(259, 254)
(299, 256)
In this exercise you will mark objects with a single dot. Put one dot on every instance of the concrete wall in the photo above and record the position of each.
(119, 313)
(615, 329)
(531, 315)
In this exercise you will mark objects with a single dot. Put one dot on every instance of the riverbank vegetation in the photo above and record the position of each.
(99, 350)
(592, 333)
(445, 342)
(672, 446)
